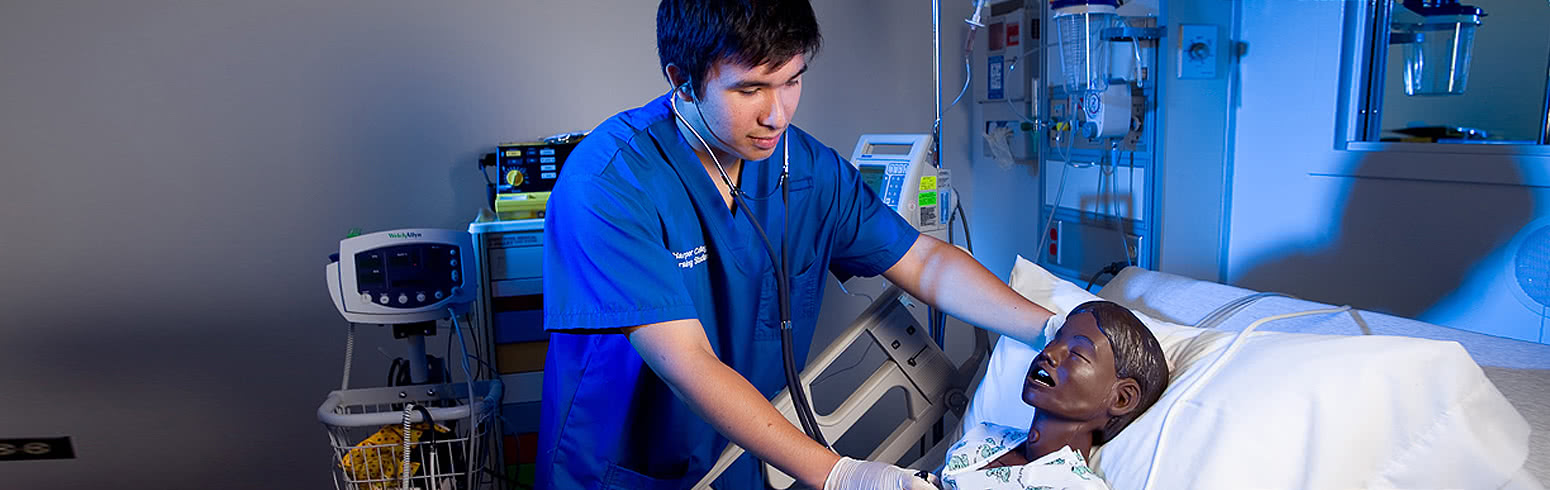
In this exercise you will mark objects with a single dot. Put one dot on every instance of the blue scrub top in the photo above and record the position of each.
(637, 233)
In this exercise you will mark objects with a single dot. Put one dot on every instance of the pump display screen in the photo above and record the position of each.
(873, 176)
(888, 149)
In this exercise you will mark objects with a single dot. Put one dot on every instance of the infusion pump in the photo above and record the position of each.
(898, 168)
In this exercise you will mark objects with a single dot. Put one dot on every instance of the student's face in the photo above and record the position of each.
(748, 108)
(1073, 378)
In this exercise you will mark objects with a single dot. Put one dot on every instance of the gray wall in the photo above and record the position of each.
(175, 173)
(1416, 230)
(1196, 147)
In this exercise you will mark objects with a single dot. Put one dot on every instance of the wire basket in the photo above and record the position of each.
(371, 428)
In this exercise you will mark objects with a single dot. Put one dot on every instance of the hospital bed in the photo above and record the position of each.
(1314, 396)
(1519, 371)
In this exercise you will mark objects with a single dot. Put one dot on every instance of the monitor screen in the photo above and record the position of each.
(873, 176)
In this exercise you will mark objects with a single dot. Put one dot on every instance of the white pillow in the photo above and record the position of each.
(1009, 361)
(1286, 410)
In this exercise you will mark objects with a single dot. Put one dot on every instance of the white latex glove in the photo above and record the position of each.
(852, 474)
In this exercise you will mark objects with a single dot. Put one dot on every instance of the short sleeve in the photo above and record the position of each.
(869, 237)
(605, 260)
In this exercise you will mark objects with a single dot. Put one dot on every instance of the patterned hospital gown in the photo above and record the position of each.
(1059, 470)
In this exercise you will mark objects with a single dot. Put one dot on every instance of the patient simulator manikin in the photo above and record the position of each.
(1102, 369)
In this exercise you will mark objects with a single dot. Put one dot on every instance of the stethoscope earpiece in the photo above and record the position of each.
(785, 163)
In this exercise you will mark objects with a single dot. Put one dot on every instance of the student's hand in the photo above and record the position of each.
(851, 474)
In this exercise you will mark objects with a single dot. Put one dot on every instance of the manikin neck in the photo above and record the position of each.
(1050, 433)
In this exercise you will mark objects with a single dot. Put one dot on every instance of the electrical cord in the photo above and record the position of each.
(482, 363)
(1112, 269)
(475, 336)
(968, 74)
(1210, 371)
(1221, 313)
(847, 292)
(349, 356)
(489, 160)
(1119, 222)
(846, 368)
(447, 351)
(961, 216)
(1132, 175)
(1059, 191)
(409, 409)
(1011, 67)
(400, 372)
(468, 380)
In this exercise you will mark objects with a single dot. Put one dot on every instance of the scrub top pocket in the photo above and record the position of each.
(622, 478)
(806, 295)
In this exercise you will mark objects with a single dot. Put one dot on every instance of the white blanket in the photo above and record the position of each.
(1288, 410)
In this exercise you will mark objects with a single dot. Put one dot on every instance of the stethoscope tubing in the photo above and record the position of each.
(804, 409)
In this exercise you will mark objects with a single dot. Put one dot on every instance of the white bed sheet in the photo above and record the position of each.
(1520, 370)
(1387, 427)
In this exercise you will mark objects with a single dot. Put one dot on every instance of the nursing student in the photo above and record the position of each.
(660, 266)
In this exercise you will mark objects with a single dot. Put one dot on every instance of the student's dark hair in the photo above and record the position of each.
(695, 34)
(1137, 355)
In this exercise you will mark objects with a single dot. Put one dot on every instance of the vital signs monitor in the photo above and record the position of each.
(898, 167)
(402, 276)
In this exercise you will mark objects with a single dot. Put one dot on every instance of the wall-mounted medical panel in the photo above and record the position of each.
(1097, 189)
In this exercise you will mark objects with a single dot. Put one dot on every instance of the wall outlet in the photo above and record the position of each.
(34, 448)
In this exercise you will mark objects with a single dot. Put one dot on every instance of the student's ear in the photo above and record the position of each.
(681, 84)
(1125, 397)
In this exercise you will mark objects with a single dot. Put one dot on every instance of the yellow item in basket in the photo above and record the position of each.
(377, 458)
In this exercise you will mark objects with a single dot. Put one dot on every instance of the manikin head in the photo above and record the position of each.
(1101, 371)
(736, 69)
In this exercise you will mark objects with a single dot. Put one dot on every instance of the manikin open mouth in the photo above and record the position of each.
(1042, 377)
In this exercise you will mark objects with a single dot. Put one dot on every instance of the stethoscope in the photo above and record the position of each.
(782, 278)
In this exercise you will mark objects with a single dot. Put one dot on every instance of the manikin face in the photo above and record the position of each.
(1073, 378)
(743, 111)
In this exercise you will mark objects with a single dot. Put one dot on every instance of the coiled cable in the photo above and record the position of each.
(349, 356)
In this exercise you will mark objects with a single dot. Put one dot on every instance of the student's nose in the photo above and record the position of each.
(775, 115)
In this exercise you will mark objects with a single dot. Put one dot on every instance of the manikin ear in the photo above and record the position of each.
(1125, 397)
(679, 77)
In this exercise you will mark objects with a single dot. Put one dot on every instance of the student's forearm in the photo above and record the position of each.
(737, 410)
(948, 278)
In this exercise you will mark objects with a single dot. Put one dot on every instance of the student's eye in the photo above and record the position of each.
(794, 82)
(748, 91)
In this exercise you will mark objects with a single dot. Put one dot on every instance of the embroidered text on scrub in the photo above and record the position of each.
(690, 258)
